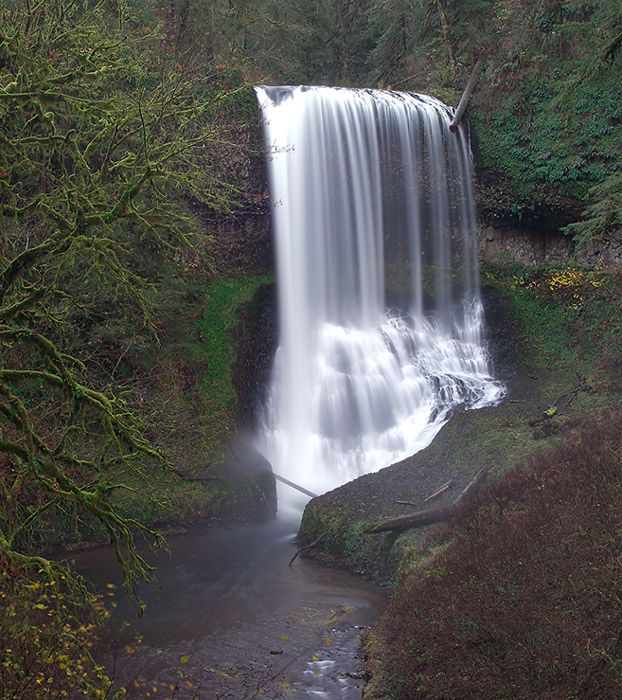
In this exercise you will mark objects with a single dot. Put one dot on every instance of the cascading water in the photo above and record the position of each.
(379, 307)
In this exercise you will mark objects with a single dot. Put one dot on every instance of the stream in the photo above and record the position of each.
(227, 617)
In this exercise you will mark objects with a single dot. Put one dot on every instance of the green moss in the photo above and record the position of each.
(217, 346)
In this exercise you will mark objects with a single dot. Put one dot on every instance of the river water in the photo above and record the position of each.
(228, 618)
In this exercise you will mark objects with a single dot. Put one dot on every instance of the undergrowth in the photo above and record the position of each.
(49, 624)
(566, 318)
(527, 600)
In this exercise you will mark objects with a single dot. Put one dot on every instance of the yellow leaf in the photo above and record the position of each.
(184, 659)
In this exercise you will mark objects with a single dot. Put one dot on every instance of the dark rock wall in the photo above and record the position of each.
(257, 342)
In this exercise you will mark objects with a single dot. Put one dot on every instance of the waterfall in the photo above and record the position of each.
(379, 309)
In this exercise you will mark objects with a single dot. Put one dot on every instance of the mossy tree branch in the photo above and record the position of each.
(100, 141)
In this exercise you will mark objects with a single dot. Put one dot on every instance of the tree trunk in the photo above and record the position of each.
(466, 95)
(445, 30)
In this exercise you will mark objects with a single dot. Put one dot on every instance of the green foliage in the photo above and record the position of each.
(91, 153)
(104, 140)
(391, 21)
(47, 625)
(216, 328)
(535, 144)
(547, 111)
(603, 215)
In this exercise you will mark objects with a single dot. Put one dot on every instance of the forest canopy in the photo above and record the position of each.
(548, 66)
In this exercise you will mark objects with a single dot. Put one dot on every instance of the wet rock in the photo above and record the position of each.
(257, 339)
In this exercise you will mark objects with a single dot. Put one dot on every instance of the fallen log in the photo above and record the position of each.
(466, 95)
(429, 516)
(298, 487)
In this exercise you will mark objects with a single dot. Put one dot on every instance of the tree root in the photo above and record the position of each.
(306, 548)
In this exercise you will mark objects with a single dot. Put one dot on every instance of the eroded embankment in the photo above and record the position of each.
(556, 337)
(521, 598)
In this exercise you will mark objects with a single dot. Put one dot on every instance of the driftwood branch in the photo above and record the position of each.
(466, 95)
(441, 489)
(563, 402)
(306, 548)
(431, 515)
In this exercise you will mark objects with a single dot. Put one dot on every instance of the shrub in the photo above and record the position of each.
(527, 602)
(48, 626)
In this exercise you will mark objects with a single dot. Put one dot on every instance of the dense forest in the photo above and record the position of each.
(129, 147)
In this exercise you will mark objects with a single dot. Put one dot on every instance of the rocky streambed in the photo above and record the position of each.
(227, 617)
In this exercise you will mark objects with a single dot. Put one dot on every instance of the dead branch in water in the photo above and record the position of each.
(306, 548)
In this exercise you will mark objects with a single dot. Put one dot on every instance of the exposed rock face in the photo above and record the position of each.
(501, 206)
(505, 245)
(499, 245)
(606, 252)
(529, 233)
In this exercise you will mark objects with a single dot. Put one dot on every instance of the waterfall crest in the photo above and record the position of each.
(379, 309)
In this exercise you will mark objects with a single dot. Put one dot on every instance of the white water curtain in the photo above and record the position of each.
(379, 307)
